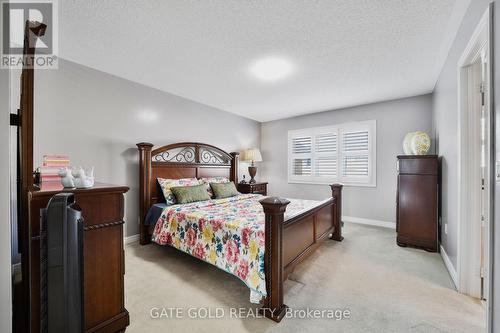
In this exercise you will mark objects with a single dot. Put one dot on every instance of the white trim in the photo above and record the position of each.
(5, 213)
(360, 220)
(131, 239)
(468, 235)
(330, 182)
(449, 267)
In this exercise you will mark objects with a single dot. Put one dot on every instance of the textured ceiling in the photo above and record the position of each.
(344, 52)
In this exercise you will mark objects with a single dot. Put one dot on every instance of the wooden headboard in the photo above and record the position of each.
(174, 161)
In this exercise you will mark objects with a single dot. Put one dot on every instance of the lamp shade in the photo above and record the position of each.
(251, 155)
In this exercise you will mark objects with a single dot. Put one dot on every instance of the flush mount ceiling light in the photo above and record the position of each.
(271, 69)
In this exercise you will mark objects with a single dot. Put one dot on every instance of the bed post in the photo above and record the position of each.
(337, 211)
(235, 162)
(144, 188)
(274, 209)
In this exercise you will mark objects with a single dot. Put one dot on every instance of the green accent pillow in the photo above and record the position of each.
(224, 190)
(187, 194)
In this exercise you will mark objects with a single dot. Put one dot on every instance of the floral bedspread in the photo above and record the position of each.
(228, 233)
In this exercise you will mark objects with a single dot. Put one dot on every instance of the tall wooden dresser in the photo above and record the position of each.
(417, 201)
(103, 255)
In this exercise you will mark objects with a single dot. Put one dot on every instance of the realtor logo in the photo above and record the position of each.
(14, 16)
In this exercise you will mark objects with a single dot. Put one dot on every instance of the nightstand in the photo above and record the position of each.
(257, 188)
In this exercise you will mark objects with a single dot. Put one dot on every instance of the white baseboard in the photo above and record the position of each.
(449, 267)
(131, 239)
(360, 220)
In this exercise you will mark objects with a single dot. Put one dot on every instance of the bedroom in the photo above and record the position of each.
(283, 85)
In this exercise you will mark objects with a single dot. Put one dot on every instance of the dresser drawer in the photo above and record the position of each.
(102, 208)
(259, 188)
(414, 166)
(97, 208)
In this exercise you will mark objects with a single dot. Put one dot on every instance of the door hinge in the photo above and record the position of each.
(482, 89)
(15, 120)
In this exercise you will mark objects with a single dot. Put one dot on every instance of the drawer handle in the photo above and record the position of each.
(102, 225)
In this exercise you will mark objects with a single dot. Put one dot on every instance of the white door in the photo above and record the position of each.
(474, 187)
(485, 178)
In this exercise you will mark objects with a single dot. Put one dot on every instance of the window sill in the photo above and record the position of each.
(332, 182)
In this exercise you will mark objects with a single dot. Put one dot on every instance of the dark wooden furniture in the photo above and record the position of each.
(24, 121)
(287, 242)
(104, 266)
(417, 201)
(258, 188)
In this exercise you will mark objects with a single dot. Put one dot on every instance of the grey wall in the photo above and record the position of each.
(97, 119)
(5, 249)
(394, 120)
(445, 124)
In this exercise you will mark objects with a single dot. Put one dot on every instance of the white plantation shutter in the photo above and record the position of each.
(326, 153)
(355, 154)
(355, 166)
(326, 143)
(355, 141)
(301, 156)
(343, 153)
(301, 145)
(326, 166)
(302, 166)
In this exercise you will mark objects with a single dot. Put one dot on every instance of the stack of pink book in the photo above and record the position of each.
(51, 165)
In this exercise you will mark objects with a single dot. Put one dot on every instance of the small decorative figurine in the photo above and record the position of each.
(67, 179)
(84, 177)
(416, 143)
(243, 181)
(407, 143)
(420, 143)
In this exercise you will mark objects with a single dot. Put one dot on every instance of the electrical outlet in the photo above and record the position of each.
(446, 228)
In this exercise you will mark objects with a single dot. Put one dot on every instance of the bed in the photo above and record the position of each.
(258, 239)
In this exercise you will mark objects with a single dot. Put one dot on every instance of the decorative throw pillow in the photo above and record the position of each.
(224, 190)
(167, 184)
(207, 181)
(187, 194)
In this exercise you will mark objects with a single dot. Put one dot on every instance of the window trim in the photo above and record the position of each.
(371, 125)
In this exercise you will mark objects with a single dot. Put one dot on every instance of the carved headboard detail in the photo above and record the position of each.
(197, 153)
(178, 160)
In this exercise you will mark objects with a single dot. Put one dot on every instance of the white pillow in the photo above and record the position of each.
(167, 184)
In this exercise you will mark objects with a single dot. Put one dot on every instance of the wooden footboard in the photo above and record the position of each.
(289, 242)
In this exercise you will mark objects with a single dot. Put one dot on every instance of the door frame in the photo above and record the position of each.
(5, 214)
(469, 235)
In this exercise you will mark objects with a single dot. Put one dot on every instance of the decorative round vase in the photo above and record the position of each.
(407, 143)
(420, 143)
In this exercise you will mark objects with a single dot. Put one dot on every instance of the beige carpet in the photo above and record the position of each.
(386, 289)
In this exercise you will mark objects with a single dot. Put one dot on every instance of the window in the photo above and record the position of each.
(343, 153)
